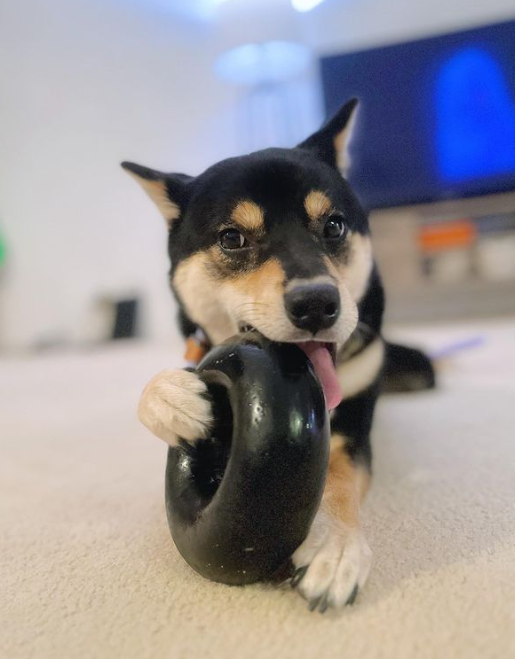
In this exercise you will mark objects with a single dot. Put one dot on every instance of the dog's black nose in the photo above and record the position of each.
(313, 307)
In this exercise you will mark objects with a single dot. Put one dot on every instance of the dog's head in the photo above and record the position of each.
(275, 240)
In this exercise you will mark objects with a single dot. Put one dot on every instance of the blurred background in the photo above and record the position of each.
(179, 84)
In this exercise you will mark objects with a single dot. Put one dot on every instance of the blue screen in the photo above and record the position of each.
(437, 116)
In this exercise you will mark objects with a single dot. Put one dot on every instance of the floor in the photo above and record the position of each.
(88, 569)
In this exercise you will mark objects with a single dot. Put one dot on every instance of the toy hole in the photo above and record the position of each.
(210, 456)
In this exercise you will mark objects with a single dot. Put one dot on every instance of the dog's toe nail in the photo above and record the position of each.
(314, 603)
(324, 604)
(298, 576)
(352, 596)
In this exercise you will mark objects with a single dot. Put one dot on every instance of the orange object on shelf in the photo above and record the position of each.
(447, 235)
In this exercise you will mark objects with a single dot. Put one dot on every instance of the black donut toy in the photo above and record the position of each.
(240, 503)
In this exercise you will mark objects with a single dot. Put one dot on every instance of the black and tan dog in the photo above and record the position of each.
(277, 241)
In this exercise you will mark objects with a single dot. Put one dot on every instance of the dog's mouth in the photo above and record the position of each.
(323, 359)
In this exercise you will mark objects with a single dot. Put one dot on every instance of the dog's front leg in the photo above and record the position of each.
(333, 563)
(175, 405)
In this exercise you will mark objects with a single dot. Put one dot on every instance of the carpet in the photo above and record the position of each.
(88, 568)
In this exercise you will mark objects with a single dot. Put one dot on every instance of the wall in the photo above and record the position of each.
(84, 85)
(340, 25)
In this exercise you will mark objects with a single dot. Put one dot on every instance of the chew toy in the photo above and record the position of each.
(240, 503)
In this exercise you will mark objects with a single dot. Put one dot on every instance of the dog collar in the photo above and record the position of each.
(197, 345)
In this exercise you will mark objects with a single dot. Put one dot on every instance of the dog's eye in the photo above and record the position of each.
(334, 228)
(232, 239)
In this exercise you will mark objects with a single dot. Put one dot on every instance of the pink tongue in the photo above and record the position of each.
(322, 362)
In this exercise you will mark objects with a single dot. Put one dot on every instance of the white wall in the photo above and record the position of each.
(340, 25)
(85, 84)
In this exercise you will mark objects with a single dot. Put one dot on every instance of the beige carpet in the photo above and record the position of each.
(88, 568)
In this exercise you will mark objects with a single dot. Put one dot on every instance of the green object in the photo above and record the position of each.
(3, 251)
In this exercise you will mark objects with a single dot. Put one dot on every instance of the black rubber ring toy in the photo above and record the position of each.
(240, 503)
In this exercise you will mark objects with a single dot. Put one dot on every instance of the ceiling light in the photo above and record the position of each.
(305, 5)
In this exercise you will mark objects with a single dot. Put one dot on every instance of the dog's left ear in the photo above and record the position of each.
(169, 192)
(331, 142)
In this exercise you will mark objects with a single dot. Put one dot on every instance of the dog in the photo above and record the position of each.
(278, 242)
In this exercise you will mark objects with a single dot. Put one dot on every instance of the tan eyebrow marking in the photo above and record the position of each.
(317, 204)
(248, 215)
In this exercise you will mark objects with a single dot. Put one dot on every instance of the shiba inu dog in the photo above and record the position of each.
(277, 241)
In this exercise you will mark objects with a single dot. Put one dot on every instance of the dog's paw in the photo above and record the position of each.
(331, 565)
(175, 405)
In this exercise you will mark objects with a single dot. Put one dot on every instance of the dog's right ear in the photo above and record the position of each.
(168, 191)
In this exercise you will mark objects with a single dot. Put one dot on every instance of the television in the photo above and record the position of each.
(437, 116)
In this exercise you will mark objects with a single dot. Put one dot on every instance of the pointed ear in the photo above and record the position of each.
(331, 142)
(168, 191)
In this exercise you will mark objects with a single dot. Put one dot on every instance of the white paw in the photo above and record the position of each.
(332, 564)
(174, 406)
